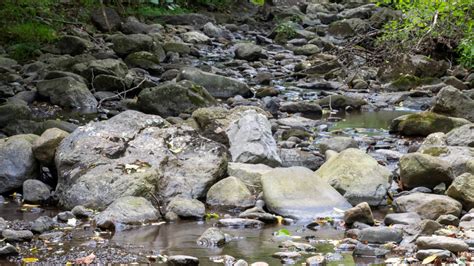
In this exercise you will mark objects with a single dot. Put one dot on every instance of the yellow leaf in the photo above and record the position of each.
(279, 219)
(429, 259)
(29, 260)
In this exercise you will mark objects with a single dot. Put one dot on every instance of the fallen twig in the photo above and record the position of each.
(121, 93)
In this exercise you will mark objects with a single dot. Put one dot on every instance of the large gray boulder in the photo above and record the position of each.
(127, 44)
(418, 169)
(461, 136)
(425, 123)
(45, 146)
(187, 208)
(127, 211)
(249, 174)
(92, 69)
(428, 206)
(35, 191)
(195, 37)
(337, 144)
(357, 176)
(214, 121)
(217, 85)
(172, 99)
(251, 140)
(11, 112)
(462, 189)
(451, 101)
(249, 51)
(296, 192)
(68, 93)
(134, 154)
(230, 192)
(17, 162)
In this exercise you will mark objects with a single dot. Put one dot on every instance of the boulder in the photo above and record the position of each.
(306, 108)
(359, 213)
(213, 122)
(172, 99)
(187, 208)
(68, 93)
(132, 26)
(194, 19)
(35, 191)
(380, 235)
(92, 69)
(348, 27)
(422, 170)
(127, 44)
(8, 250)
(297, 193)
(341, 102)
(414, 65)
(106, 19)
(127, 211)
(428, 206)
(134, 154)
(439, 253)
(251, 140)
(42, 224)
(297, 157)
(462, 189)
(17, 162)
(452, 102)
(17, 235)
(230, 192)
(357, 176)
(212, 237)
(425, 123)
(337, 144)
(11, 112)
(249, 174)
(218, 86)
(177, 47)
(307, 49)
(461, 136)
(402, 218)
(144, 60)
(73, 45)
(194, 37)
(441, 242)
(249, 52)
(45, 146)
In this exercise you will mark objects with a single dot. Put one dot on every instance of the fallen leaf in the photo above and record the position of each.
(429, 259)
(86, 260)
(29, 260)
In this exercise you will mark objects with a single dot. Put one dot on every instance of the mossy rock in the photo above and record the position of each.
(143, 59)
(295, 133)
(172, 99)
(409, 82)
(425, 123)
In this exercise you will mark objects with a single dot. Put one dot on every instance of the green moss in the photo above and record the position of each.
(435, 151)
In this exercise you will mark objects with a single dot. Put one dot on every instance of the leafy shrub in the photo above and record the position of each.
(32, 32)
(431, 27)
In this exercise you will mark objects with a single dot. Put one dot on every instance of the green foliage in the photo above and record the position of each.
(285, 31)
(283, 232)
(211, 215)
(32, 32)
(466, 51)
(258, 2)
(428, 23)
(23, 51)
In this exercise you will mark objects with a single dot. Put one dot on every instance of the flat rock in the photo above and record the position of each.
(428, 206)
(297, 193)
(441, 242)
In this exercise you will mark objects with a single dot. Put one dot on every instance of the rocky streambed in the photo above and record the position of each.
(227, 140)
